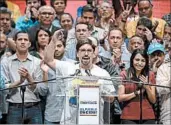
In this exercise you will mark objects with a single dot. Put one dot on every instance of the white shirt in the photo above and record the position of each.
(163, 78)
(66, 68)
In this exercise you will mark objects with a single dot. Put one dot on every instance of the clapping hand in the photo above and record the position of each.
(24, 74)
(145, 81)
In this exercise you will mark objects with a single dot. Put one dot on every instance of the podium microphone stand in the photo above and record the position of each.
(23, 89)
(141, 98)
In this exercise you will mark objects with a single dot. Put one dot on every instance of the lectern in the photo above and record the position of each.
(84, 101)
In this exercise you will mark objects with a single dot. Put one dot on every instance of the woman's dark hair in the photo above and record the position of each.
(131, 71)
(42, 2)
(47, 31)
(145, 22)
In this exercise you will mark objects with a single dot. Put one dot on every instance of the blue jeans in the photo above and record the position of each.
(46, 122)
(32, 114)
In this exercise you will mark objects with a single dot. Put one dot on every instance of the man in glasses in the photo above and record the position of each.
(85, 53)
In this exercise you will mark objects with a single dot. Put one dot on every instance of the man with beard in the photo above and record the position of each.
(85, 53)
(106, 16)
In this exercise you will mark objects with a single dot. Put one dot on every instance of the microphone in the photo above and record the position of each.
(23, 88)
(88, 72)
(140, 85)
(78, 71)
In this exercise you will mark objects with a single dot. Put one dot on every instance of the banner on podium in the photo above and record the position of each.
(89, 104)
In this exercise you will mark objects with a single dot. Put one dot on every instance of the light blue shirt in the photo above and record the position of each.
(2, 86)
(56, 23)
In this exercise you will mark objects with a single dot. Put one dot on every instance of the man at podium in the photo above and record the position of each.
(85, 53)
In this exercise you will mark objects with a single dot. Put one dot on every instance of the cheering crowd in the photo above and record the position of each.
(108, 38)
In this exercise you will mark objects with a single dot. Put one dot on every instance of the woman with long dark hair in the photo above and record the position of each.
(136, 109)
(43, 37)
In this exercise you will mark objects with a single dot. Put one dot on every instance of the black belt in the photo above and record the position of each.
(26, 104)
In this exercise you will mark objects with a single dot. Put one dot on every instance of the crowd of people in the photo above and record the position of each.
(109, 38)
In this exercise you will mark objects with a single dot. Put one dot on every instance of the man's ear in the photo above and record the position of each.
(94, 55)
(78, 55)
(29, 44)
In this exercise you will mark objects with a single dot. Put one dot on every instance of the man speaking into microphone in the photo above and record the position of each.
(85, 53)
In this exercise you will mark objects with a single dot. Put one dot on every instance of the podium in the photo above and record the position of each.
(84, 100)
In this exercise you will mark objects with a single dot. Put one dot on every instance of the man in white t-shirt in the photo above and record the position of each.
(85, 54)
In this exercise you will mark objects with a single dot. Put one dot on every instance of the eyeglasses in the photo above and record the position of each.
(47, 13)
(105, 7)
(83, 51)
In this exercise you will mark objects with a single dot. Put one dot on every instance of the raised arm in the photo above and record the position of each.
(50, 49)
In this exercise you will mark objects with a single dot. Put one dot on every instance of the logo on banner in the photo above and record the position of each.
(88, 111)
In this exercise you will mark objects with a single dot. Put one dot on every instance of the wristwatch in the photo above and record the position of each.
(136, 93)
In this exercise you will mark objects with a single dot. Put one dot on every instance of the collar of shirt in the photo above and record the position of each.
(94, 30)
(50, 28)
(14, 57)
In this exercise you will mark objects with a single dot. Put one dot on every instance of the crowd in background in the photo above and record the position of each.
(106, 39)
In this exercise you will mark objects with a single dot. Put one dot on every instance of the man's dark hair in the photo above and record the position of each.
(116, 28)
(88, 25)
(83, 42)
(89, 8)
(22, 31)
(4, 10)
(52, 2)
(145, 22)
